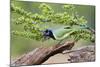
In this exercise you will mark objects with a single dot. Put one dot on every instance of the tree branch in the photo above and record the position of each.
(40, 55)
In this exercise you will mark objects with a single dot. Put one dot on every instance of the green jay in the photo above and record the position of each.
(61, 33)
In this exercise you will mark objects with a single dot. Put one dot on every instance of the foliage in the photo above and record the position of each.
(82, 34)
(31, 21)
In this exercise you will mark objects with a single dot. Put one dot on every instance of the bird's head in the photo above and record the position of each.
(48, 34)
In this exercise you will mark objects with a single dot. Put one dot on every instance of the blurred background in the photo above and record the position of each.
(20, 45)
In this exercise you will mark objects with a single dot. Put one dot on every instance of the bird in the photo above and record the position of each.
(61, 33)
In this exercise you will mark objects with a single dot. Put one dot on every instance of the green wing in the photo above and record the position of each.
(62, 33)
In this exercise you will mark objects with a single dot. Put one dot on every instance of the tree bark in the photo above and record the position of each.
(40, 55)
(83, 54)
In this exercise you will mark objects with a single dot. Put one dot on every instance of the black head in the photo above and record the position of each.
(48, 34)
